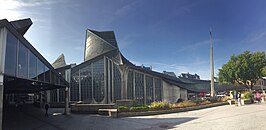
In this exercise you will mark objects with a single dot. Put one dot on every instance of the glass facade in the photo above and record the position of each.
(47, 74)
(40, 70)
(74, 88)
(58, 95)
(103, 78)
(11, 55)
(149, 89)
(61, 95)
(22, 61)
(130, 87)
(91, 82)
(86, 84)
(139, 88)
(158, 89)
(98, 80)
(117, 83)
(53, 95)
(32, 66)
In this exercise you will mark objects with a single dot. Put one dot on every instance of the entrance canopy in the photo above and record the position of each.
(18, 85)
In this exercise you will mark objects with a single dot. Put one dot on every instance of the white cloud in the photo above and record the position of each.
(127, 8)
(255, 37)
(193, 46)
(17, 9)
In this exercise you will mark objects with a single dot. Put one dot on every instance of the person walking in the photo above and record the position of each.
(239, 99)
(258, 97)
(46, 109)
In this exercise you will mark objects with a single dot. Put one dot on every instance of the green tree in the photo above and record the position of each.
(264, 71)
(244, 69)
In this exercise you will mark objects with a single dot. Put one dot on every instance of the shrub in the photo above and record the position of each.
(225, 98)
(213, 99)
(186, 104)
(198, 101)
(138, 107)
(179, 100)
(247, 95)
(162, 104)
(205, 102)
(123, 108)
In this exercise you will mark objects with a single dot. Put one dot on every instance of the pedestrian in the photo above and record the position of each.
(258, 97)
(46, 109)
(235, 97)
(239, 99)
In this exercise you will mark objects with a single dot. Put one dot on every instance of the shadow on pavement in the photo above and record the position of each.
(25, 117)
(160, 123)
(29, 117)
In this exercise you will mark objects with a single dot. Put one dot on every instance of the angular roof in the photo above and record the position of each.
(59, 62)
(108, 36)
(22, 25)
(99, 43)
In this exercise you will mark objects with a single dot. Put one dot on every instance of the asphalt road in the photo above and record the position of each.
(249, 117)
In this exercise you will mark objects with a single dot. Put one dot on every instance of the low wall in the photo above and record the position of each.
(147, 113)
(127, 103)
(89, 108)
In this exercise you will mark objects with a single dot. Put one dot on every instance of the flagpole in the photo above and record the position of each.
(211, 66)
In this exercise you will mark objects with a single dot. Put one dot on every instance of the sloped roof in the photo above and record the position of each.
(108, 36)
(59, 62)
(98, 43)
(22, 25)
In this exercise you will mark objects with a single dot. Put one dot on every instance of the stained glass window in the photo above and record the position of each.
(86, 83)
(117, 83)
(98, 80)
(149, 89)
(74, 88)
(139, 88)
(158, 90)
(130, 89)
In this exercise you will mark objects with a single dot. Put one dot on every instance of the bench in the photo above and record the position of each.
(109, 112)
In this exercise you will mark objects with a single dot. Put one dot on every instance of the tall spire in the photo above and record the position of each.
(211, 66)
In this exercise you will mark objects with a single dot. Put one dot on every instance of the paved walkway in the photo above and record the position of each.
(249, 117)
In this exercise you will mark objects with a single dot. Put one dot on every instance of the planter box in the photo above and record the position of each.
(247, 102)
(89, 108)
(147, 113)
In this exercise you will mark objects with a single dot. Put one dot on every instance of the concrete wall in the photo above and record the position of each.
(170, 92)
(183, 94)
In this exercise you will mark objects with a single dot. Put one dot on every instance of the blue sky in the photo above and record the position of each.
(171, 35)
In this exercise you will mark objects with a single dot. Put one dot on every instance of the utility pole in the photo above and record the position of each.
(211, 66)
